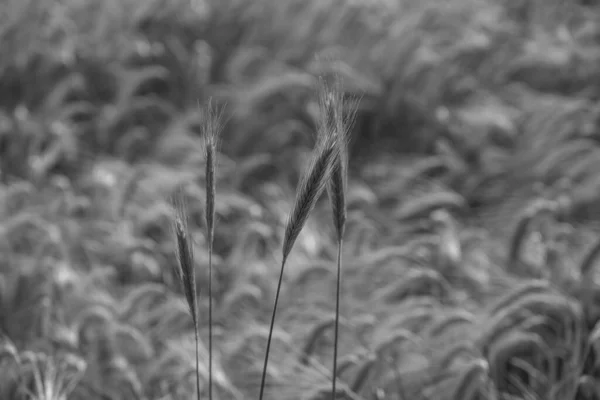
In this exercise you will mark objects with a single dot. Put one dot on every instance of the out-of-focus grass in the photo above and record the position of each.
(471, 111)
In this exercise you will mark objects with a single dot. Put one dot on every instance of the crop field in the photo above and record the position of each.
(299, 199)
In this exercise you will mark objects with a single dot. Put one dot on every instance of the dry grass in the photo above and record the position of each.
(465, 204)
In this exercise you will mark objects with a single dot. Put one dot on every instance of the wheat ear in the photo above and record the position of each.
(211, 128)
(311, 186)
(186, 271)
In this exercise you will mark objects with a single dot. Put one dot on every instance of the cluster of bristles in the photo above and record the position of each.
(327, 170)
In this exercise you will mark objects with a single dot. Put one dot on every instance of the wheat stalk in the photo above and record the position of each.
(211, 128)
(186, 272)
(334, 121)
(311, 186)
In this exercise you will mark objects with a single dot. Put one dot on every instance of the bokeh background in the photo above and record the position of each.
(473, 197)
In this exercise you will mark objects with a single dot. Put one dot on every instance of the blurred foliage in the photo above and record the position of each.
(473, 204)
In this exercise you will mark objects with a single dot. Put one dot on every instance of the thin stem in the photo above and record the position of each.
(210, 323)
(197, 360)
(271, 327)
(337, 317)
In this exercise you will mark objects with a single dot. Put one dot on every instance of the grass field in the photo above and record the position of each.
(472, 229)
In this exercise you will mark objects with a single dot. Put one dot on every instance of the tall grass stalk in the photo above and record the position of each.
(334, 121)
(186, 272)
(336, 325)
(311, 186)
(211, 127)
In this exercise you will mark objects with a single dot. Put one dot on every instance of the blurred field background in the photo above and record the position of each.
(473, 197)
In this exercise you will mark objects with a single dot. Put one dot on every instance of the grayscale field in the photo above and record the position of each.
(232, 199)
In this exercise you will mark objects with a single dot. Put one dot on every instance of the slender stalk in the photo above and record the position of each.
(210, 323)
(271, 327)
(197, 339)
(186, 272)
(337, 316)
(311, 186)
(211, 128)
(335, 121)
